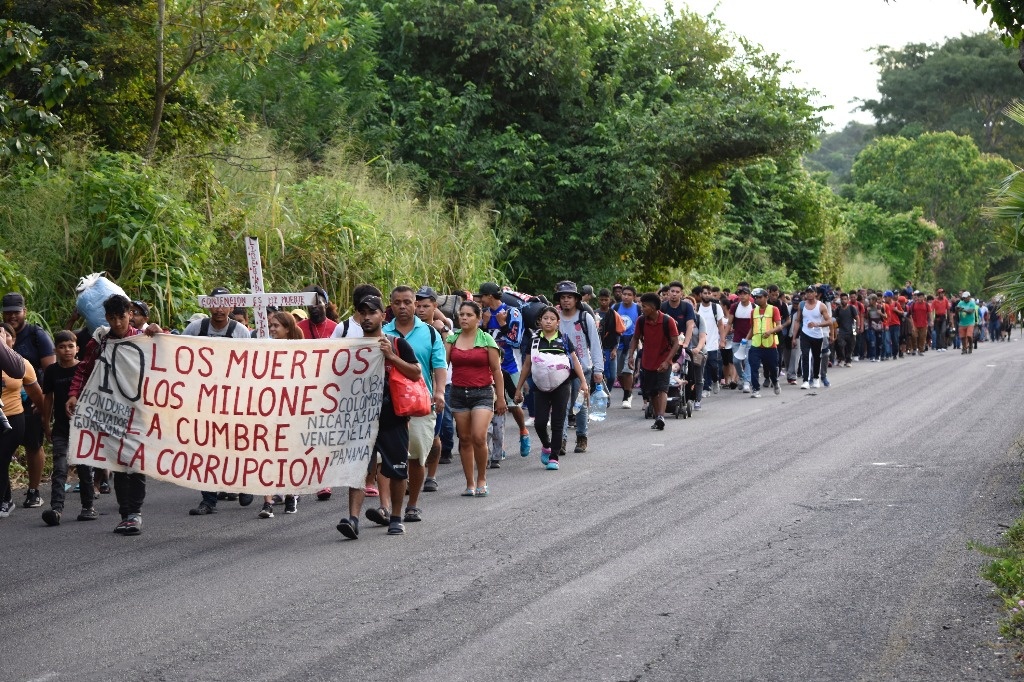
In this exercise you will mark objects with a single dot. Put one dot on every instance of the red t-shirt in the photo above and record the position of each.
(318, 331)
(657, 346)
(892, 317)
(941, 306)
(919, 313)
(471, 368)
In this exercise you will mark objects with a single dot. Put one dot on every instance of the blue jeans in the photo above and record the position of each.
(609, 367)
(583, 416)
(875, 342)
(894, 340)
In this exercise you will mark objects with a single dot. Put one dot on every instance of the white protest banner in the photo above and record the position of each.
(261, 417)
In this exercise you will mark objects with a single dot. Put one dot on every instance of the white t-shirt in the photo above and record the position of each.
(712, 315)
(240, 331)
(354, 330)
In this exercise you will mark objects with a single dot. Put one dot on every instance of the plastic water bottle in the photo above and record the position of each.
(578, 405)
(599, 404)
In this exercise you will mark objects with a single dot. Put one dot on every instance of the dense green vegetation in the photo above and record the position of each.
(424, 140)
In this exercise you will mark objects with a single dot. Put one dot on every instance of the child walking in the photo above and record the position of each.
(551, 361)
(57, 428)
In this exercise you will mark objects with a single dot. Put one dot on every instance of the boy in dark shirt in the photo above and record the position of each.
(56, 384)
(129, 486)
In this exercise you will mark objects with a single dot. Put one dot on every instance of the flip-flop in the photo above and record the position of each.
(480, 492)
(470, 492)
(348, 529)
(372, 492)
(379, 515)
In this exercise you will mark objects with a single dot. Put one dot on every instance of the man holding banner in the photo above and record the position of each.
(218, 324)
(428, 345)
(392, 443)
(129, 486)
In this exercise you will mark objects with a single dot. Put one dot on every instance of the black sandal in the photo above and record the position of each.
(348, 529)
(381, 516)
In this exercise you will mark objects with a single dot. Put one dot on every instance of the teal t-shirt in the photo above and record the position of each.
(968, 311)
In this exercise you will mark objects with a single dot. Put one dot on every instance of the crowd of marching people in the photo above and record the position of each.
(486, 354)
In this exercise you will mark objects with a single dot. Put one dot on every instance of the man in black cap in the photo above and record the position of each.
(218, 324)
(140, 315)
(392, 444)
(36, 346)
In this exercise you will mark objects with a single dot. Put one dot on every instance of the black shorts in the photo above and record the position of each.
(727, 355)
(33, 439)
(392, 445)
(652, 382)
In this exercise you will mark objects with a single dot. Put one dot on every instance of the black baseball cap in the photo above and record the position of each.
(372, 302)
(13, 302)
(220, 291)
(489, 289)
(141, 307)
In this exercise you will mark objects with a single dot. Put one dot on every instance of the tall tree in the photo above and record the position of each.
(307, 94)
(581, 123)
(962, 86)
(947, 177)
(777, 215)
(837, 151)
(28, 120)
(188, 33)
(117, 38)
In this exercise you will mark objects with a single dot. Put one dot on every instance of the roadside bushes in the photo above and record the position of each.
(168, 231)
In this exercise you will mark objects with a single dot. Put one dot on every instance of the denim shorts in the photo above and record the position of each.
(466, 399)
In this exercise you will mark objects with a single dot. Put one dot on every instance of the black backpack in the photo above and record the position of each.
(204, 328)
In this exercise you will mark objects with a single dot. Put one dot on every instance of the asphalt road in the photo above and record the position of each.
(811, 536)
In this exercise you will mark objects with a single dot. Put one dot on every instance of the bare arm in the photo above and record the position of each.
(524, 374)
(47, 416)
(440, 376)
(35, 394)
(500, 406)
(411, 370)
(12, 364)
(671, 354)
(688, 334)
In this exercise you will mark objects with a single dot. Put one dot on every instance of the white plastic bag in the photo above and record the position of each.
(92, 292)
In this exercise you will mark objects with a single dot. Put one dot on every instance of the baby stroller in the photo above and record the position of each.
(682, 387)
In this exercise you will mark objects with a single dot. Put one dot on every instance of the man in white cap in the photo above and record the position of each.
(967, 317)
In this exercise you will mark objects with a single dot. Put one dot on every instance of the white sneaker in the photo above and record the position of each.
(746, 387)
(815, 384)
(707, 394)
(627, 404)
(805, 385)
(755, 394)
(529, 421)
(715, 387)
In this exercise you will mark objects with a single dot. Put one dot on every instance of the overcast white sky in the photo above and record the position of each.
(830, 42)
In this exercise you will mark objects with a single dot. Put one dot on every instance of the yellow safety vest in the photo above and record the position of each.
(761, 324)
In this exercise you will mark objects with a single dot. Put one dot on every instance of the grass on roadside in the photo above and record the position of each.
(1006, 571)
